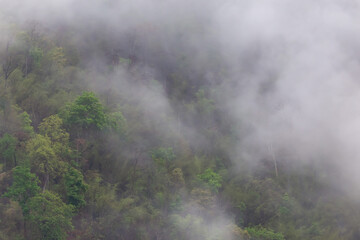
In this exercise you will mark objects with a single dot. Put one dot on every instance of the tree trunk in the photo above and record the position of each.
(46, 182)
(271, 150)
(25, 230)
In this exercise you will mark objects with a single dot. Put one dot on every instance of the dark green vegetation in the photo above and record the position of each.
(81, 158)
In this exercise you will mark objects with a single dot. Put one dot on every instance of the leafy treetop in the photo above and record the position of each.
(86, 112)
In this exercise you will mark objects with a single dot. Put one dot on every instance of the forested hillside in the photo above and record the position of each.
(120, 122)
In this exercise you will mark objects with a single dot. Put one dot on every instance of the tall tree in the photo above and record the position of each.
(75, 187)
(7, 151)
(43, 159)
(86, 113)
(25, 186)
(51, 127)
(50, 216)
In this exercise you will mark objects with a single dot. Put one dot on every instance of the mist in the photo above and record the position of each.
(300, 94)
(285, 73)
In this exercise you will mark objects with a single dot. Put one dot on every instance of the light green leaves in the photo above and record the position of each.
(75, 187)
(50, 215)
(86, 112)
(25, 186)
(211, 178)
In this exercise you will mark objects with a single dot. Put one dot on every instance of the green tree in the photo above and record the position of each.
(263, 201)
(75, 187)
(211, 178)
(204, 105)
(26, 123)
(117, 122)
(177, 178)
(101, 198)
(86, 113)
(7, 151)
(43, 159)
(50, 216)
(57, 57)
(25, 186)
(163, 157)
(204, 198)
(51, 127)
(36, 55)
(261, 233)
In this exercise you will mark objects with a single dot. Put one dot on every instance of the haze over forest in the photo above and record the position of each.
(179, 120)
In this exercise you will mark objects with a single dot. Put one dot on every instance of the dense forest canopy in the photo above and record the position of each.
(181, 120)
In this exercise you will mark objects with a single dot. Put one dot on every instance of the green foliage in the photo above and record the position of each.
(36, 54)
(124, 61)
(57, 56)
(263, 198)
(177, 177)
(51, 128)
(43, 158)
(177, 204)
(203, 198)
(187, 227)
(26, 123)
(101, 197)
(11, 218)
(203, 104)
(211, 178)
(86, 112)
(25, 186)
(117, 122)
(163, 156)
(287, 206)
(261, 233)
(8, 151)
(239, 233)
(50, 216)
(41, 154)
(75, 187)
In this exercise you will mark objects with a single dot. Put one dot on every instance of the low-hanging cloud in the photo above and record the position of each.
(300, 93)
(291, 67)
